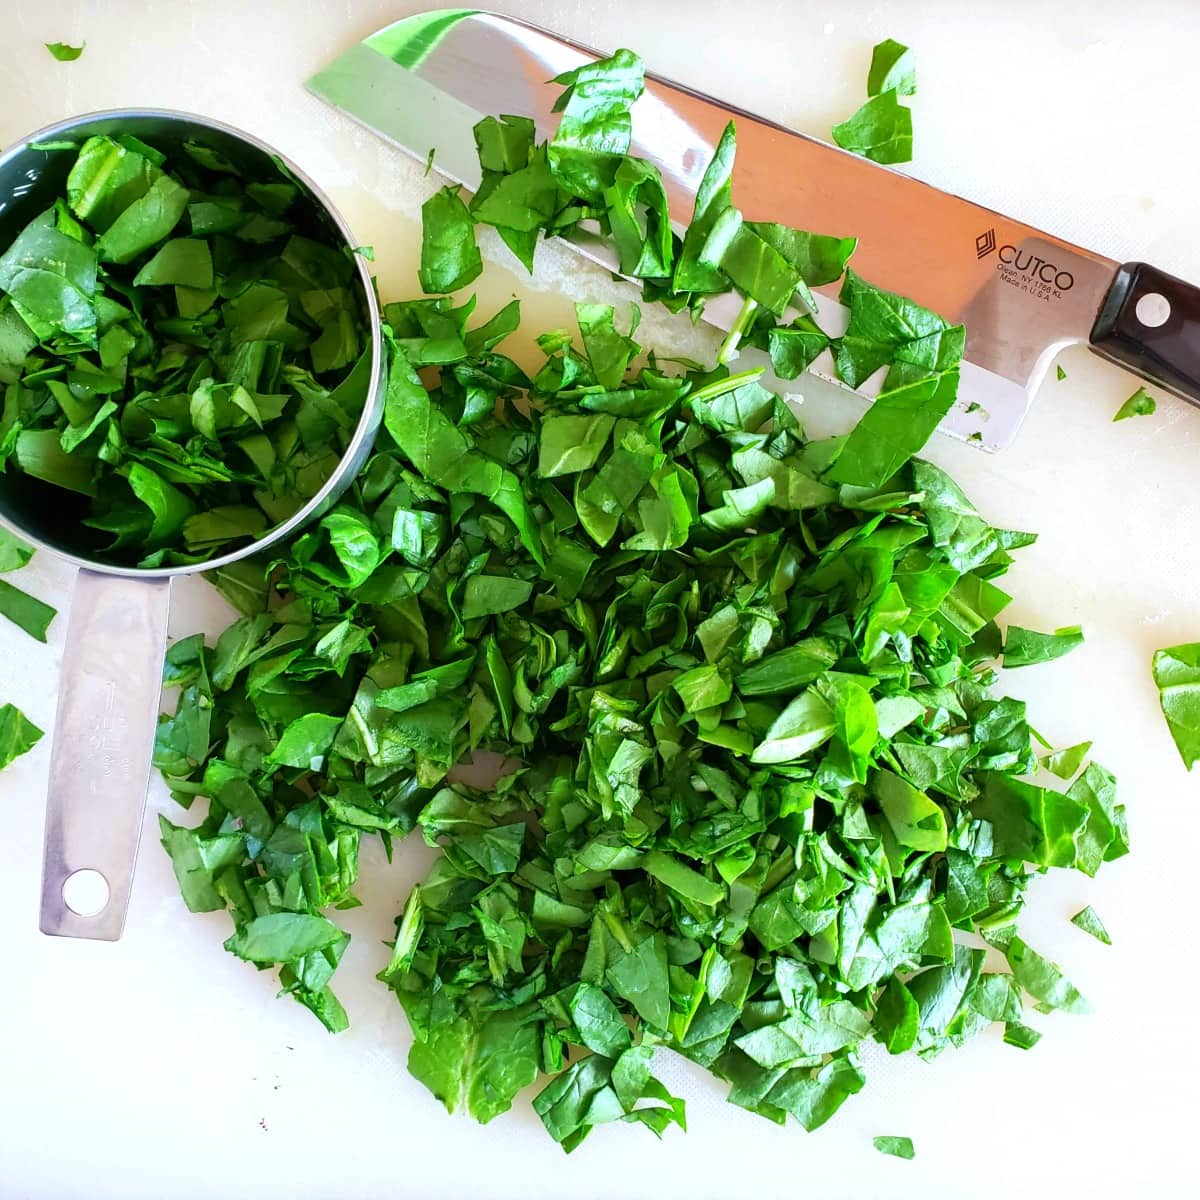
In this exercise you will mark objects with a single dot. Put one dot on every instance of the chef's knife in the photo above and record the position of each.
(423, 82)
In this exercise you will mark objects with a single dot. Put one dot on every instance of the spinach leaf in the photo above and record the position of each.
(22, 609)
(283, 937)
(640, 976)
(1042, 979)
(1177, 677)
(196, 860)
(477, 1066)
(1065, 763)
(1021, 1036)
(880, 130)
(1087, 920)
(897, 1147)
(598, 1021)
(713, 197)
(916, 821)
(881, 323)
(305, 741)
(1140, 404)
(450, 258)
(64, 52)
(596, 126)
(892, 70)
(1024, 647)
(14, 552)
(18, 734)
(51, 279)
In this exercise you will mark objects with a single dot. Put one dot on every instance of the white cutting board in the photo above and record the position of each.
(161, 1066)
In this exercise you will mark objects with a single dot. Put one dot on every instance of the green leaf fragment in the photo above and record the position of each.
(892, 69)
(1177, 677)
(1042, 979)
(1140, 404)
(283, 937)
(1024, 647)
(897, 1147)
(26, 611)
(18, 734)
(1021, 1036)
(880, 130)
(1066, 763)
(450, 258)
(64, 52)
(1089, 922)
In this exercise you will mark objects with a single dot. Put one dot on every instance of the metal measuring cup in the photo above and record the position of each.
(110, 682)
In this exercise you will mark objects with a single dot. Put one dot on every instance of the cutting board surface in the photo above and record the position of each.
(161, 1065)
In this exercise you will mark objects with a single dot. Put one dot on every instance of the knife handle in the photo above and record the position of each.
(1150, 323)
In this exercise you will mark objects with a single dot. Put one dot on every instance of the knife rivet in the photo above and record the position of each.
(1153, 310)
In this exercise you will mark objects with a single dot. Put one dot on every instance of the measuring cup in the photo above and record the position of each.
(111, 675)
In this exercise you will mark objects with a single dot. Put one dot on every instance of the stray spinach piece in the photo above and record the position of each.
(14, 552)
(65, 52)
(1140, 404)
(880, 130)
(1087, 920)
(892, 70)
(28, 612)
(1021, 1036)
(18, 734)
(450, 258)
(1024, 647)
(1177, 677)
(897, 1147)
(1065, 763)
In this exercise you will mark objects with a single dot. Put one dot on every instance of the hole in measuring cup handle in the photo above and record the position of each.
(86, 892)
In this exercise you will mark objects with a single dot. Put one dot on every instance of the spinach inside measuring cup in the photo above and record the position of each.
(183, 351)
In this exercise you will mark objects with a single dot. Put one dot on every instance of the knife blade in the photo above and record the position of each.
(423, 82)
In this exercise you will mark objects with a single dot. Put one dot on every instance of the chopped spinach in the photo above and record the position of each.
(18, 734)
(892, 70)
(1140, 404)
(182, 348)
(1177, 676)
(881, 129)
(1024, 647)
(65, 52)
(897, 1147)
(750, 712)
(1088, 920)
(32, 615)
(759, 787)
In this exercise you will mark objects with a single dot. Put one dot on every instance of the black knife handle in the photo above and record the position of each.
(1150, 323)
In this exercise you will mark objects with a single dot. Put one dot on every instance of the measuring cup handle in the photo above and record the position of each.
(108, 697)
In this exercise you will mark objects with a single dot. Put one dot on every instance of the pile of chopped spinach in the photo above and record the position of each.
(761, 801)
(181, 351)
(765, 776)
